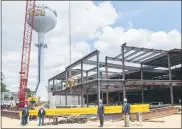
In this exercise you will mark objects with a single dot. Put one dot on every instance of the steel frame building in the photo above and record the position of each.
(150, 60)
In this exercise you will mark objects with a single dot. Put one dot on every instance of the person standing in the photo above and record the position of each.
(126, 112)
(25, 114)
(100, 113)
(41, 115)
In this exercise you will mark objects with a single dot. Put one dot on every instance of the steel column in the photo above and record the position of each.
(81, 84)
(87, 89)
(98, 74)
(107, 90)
(87, 97)
(170, 78)
(123, 70)
(53, 84)
(142, 95)
(78, 99)
(141, 72)
(102, 96)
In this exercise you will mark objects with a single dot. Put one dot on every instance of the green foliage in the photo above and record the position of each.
(29, 92)
(3, 87)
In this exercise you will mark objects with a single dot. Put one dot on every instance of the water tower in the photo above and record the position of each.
(45, 19)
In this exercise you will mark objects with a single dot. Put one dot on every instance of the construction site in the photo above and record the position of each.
(150, 80)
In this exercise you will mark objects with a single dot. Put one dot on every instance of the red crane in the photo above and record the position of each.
(27, 40)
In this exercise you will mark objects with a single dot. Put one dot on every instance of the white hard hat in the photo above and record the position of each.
(25, 105)
(100, 100)
(125, 99)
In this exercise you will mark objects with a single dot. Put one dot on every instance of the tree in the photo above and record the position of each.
(29, 92)
(4, 87)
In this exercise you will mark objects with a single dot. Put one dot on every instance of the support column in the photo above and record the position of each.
(123, 70)
(87, 98)
(170, 78)
(82, 84)
(107, 88)
(53, 86)
(142, 93)
(119, 97)
(98, 84)
(141, 72)
(66, 100)
(86, 76)
(87, 89)
(78, 99)
(102, 95)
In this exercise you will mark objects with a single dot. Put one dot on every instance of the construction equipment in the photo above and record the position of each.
(26, 49)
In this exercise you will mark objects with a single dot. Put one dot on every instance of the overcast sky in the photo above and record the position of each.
(95, 25)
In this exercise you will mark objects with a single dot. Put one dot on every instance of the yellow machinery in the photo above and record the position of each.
(91, 110)
(33, 99)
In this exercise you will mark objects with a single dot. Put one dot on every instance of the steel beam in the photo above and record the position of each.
(118, 56)
(127, 51)
(114, 59)
(145, 49)
(82, 59)
(141, 54)
(131, 54)
(145, 57)
(153, 58)
(110, 65)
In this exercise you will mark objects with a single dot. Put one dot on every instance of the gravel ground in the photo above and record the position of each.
(173, 121)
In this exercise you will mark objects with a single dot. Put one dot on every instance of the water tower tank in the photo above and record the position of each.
(45, 19)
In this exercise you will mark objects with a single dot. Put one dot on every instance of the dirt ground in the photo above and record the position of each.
(173, 121)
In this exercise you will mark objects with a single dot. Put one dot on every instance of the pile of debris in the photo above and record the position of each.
(67, 120)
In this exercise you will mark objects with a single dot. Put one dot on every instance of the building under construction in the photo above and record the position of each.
(147, 75)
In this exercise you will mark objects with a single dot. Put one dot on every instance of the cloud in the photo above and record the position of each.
(89, 22)
(86, 19)
(113, 38)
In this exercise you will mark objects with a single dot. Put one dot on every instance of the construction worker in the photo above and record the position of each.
(126, 112)
(100, 113)
(41, 115)
(25, 114)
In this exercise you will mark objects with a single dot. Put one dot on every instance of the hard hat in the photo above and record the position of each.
(100, 100)
(25, 106)
(125, 99)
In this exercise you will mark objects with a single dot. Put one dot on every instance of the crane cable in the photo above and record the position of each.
(70, 29)
(70, 45)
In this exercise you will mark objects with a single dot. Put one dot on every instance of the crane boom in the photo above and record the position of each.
(26, 48)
